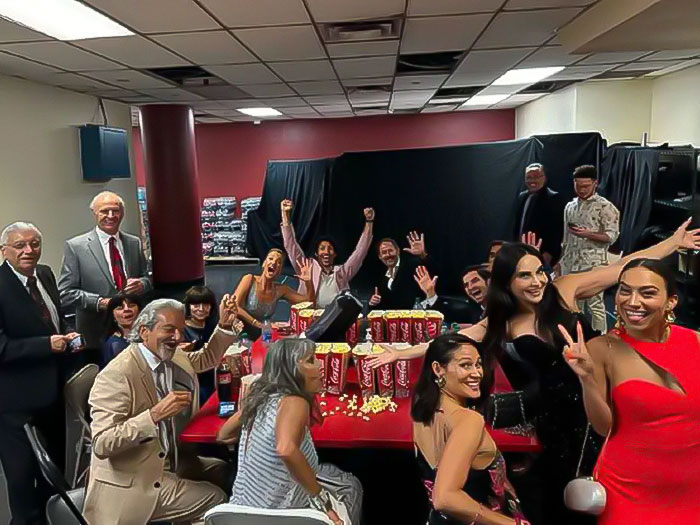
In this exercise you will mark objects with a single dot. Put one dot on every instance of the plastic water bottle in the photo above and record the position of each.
(417, 304)
(266, 332)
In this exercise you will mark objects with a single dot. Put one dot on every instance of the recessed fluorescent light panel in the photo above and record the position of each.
(260, 112)
(526, 76)
(449, 100)
(485, 100)
(61, 19)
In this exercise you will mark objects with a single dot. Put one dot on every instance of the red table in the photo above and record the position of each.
(384, 430)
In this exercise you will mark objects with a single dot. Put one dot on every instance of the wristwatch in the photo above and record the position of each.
(321, 501)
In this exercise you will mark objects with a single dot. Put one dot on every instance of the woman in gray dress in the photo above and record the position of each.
(277, 463)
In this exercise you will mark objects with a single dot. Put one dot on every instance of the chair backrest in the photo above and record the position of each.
(229, 514)
(77, 391)
(50, 471)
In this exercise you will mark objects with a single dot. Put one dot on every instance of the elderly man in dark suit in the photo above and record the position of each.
(33, 367)
(98, 264)
(540, 210)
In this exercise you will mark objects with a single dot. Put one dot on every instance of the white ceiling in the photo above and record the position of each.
(270, 52)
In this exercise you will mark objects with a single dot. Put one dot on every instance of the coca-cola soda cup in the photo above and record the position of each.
(365, 373)
(433, 323)
(352, 335)
(336, 368)
(305, 317)
(246, 364)
(405, 320)
(418, 320)
(385, 376)
(402, 385)
(294, 315)
(322, 352)
(376, 324)
(393, 331)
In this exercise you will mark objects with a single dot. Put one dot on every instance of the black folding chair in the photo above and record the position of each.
(65, 507)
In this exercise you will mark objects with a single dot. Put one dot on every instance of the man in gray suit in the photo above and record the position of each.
(99, 264)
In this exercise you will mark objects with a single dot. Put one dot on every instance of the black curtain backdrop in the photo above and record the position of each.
(628, 177)
(460, 197)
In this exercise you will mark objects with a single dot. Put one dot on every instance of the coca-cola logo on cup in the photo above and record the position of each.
(335, 370)
(402, 371)
(366, 372)
(385, 375)
(405, 331)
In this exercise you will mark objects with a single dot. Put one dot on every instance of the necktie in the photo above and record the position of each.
(525, 218)
(166, 428)
(39, 300)
(117, 265)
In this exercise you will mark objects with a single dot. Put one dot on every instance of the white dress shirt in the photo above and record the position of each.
(44, 295)
(104, 242)
(391, 273)
(327, 290)
(153, 361)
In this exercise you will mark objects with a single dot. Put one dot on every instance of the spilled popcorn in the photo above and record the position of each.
(351, 407)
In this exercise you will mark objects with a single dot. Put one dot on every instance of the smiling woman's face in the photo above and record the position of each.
(641, 299)
(463, 373)
(272, 265)
(529, 280)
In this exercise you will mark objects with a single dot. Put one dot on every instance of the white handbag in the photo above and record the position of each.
(585, 494)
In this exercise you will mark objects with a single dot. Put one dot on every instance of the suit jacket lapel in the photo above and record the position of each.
(23, 295)
(126, 248)
(96, 248)
(146, 373)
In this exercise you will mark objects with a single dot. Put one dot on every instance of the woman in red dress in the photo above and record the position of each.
(641, 388)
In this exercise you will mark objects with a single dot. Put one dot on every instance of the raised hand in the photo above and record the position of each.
(576, 354)
(688, 240)
(228, 311)
(389, 355)
(376, 298)
(416, 244)
(304, 270)
(369, 214)
(286, 206)
(531, 239)
(425, 283)
(171, 405)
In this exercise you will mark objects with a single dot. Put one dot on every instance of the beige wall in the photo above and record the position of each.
(675, 113)
(555, 113)
(40, 172)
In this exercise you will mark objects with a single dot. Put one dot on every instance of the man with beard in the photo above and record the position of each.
(139, 405)
(328, 279)
(397, 289)
(469, 310)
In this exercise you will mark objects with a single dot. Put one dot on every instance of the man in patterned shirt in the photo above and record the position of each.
(591, 225)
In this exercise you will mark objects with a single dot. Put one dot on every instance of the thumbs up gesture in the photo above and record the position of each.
(376, 298)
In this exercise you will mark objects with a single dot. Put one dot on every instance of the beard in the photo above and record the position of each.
(165, 352)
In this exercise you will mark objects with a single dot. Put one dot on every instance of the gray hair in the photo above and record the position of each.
(280, 376)
(535, 166)
(17, 227)
(149, 316)
(102, 194)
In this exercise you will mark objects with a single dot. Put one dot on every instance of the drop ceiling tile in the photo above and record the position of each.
(365, 67)
(241, 74)
(415, 98)
(345, 11)
(442, 33)
(324, 87)
(299, 111)
(74, 81)
(524, 28)
(451, 7)
(61, 55)
(326, 99)
(114, 93)
(304, 70)
(209, 47)
(611, 58)
(134, 51)
(370, 111)
(481, 78)
(370, 81)
(673, 55)
(282, 43)
(651, 65)
(336, 108)
(128, 78)
(14, 65)
(364, 98)
(405, 82)
(439, 108)
(141, 99)
(172, 94)
(268, 90)
(11, 32)
(502, 90)
(482, 67)
(536, 4)
(522, 98)
(206, 105)
(227, 112)
(284, 102)
(473, 108)
(247, 13)
(233, 104)
(219, 92)
(550, 56)
(212, 120)
(360, 49)
(580, 72)
(157, 16)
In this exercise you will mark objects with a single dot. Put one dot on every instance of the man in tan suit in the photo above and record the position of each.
(140, 402)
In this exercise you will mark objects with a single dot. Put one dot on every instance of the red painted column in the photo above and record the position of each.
(172, 194)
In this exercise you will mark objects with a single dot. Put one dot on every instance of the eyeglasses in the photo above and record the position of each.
(34, 245)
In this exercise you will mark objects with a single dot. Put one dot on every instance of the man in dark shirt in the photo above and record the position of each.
(540, 210)
(469, 309)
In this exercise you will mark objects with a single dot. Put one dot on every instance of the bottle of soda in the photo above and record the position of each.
(266, 332)
(224, 379)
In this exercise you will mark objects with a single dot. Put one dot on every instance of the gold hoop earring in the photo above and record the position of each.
(670, 316)
(441, 382)
(619, 322)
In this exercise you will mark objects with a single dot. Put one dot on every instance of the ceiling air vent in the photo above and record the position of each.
(547, 86)
(187, 76)
(337, 32)
(457, 92)
(442, 62)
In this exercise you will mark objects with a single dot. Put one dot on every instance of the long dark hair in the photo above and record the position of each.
(659, 268)
(426, 394)
(114, 303)
(502, 305)
(280, 376)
